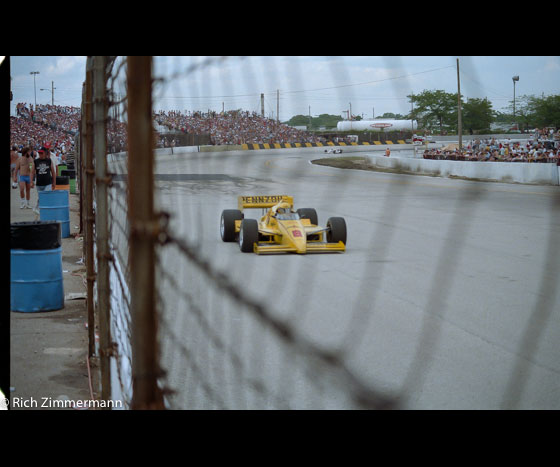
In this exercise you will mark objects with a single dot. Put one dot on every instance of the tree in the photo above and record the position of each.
(298, 120)
(545, 111)
(323, 120)
(534, 112)
(477, 115)
(393, 116)
(434, 108)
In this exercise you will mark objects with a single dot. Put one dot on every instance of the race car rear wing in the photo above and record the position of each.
(262, 201)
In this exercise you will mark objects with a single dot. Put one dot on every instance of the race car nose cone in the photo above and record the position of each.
(299, 239)
(294, 235)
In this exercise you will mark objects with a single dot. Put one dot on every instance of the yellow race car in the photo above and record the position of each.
(281, 229)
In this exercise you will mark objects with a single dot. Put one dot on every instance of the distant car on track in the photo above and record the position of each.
(333, 151)
(281, 229)
(418, 139)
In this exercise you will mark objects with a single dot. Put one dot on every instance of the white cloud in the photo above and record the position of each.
(552, 64)
(65, 64)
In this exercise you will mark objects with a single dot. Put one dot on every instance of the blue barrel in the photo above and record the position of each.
(54, 206)
(36, 282)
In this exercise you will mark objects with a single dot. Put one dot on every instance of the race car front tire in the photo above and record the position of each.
(248, 235)
(336, 230)
(309, 213)
(227, 224)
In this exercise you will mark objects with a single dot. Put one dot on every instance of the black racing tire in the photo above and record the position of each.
(309, 213)
(227, 224)
(248, 235)
(336, 230)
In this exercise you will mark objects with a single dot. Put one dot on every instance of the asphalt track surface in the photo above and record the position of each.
(446, 298)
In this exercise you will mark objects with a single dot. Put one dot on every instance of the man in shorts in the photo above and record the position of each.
(44, 174)
(24, 169)
(14, 156)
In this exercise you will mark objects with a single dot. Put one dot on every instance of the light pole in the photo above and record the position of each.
(52, 91)
(515, 78)
(34, 89)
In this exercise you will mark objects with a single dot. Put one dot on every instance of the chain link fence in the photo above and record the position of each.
(180, 325)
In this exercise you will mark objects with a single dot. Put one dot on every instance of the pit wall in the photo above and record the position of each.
(508, 172)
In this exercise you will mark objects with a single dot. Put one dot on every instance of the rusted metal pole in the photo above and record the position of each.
(87, 188)
(102, 222)
(143, 228)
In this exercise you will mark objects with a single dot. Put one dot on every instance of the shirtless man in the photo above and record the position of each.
(25, 167)
(14, 156)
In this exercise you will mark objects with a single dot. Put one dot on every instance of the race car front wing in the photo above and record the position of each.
(311, 247)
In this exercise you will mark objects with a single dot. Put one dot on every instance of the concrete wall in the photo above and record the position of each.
(508, 172)
(516, 172)
(455, 138)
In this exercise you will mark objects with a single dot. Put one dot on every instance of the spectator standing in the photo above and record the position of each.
(14, 156)
(45, 175)
(24, 168)
(55, 161)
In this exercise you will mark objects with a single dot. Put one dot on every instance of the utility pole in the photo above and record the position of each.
(350, 115)
(460, 123)
(412, 111)
(34, 89)
(262, 105)
(277, 105)
(515, 78)
(52, 92)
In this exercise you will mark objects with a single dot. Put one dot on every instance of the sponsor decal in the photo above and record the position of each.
(381, 125)
(261, 199)
(296, 233)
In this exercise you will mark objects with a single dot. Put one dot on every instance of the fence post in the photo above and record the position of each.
(86, 190)
(143, 235)
(101, 222)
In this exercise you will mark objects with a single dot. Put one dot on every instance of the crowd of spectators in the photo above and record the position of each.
(116, 136)
(539, 148)
(56, 125)
(33, 127)
(234, 127)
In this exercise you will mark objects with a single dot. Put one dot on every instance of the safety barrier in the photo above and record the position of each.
(509, 172)
(249, 146)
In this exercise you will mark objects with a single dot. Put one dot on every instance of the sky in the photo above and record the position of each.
(312, 85)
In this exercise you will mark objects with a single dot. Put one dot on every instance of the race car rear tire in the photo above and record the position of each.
(337, 230)
(248, 235)
(309, 213)
(227, 224)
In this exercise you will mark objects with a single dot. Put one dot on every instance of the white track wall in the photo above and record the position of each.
(516, 172)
